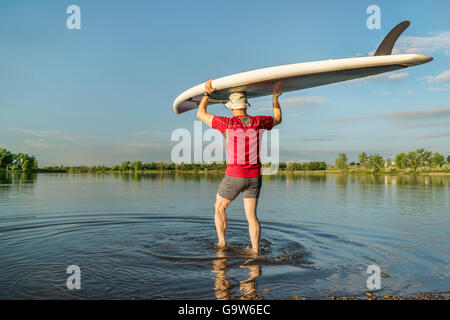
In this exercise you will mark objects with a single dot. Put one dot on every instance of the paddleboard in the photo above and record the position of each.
(286, 78)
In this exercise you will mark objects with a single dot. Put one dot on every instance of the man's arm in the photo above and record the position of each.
(202, 112)
(276, 109)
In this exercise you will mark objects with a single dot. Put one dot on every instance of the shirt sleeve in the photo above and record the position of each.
(266, 122)
(220, 123)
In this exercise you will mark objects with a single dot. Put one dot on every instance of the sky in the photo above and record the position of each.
(104, 93)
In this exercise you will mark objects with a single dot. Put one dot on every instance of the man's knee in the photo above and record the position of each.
(220, 205)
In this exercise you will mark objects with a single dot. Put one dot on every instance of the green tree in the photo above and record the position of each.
(27, 165)
(412, 160)
(375, 162)
(125, 166)
(6, 158)
(137, 165)
(423, 157)
(341, 161)
(362, 159)
(448, 159)
(401, 160)
(437, 159)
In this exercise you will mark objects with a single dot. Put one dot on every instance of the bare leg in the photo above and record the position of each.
(254, 228)
(220, 218)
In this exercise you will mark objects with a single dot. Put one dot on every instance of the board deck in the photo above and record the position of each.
(286, 78)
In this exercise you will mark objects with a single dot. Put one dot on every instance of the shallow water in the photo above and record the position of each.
(152, 236)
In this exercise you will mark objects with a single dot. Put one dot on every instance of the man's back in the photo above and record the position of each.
(243, 135)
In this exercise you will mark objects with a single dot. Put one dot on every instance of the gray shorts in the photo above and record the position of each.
(230, 187)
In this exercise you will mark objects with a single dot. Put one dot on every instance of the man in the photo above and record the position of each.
(243, 174)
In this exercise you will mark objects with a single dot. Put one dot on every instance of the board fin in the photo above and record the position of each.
(386, 46)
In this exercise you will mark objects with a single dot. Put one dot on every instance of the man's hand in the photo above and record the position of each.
(276, 104)
(276, 95)
(208, 86)
(202, 112)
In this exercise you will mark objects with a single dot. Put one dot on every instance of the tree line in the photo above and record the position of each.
(413, 160)
(138, 166)
(17, 162)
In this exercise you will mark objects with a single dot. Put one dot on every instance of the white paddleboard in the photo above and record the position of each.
(261, 82)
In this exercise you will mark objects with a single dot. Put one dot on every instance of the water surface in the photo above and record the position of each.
(152, 236)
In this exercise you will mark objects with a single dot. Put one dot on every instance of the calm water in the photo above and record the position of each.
(152, 236)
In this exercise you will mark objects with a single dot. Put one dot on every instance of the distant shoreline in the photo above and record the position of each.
(355, 171)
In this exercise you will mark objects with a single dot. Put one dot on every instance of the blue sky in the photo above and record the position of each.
(104, 94)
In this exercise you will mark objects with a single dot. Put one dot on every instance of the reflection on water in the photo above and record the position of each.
(152, 236)
(12, 182)
(365, 179)
(21, 178)
(223, 288)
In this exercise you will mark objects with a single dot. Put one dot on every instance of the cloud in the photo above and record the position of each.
(330, 137)
(382, 92)
(435, 42)
(398, 76)
(149, 132)
(444, 77)
(47, 133)
(434, 135)
(389, 76)
(437, 89)
(436, 113)
(384, 77)
(420, 114)
(297, 102)
(432, 123)
(37, 143)
(333, 152)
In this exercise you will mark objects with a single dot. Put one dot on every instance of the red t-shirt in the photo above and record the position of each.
(242, 138)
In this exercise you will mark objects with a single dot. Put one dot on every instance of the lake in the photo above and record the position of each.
(152, 236)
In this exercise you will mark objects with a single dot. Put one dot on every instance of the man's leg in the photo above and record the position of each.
(254, 228)
(220, 218)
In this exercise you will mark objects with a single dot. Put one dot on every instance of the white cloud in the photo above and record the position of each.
(37, 143)
(436, 113)
(382, 92)
(397, 76)
(151, 132)
(435, 42)
(435, 135)
(444, 77)
(297, 102)
(389, 76)
(438, 89)
(47, 133)
(386, 77)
